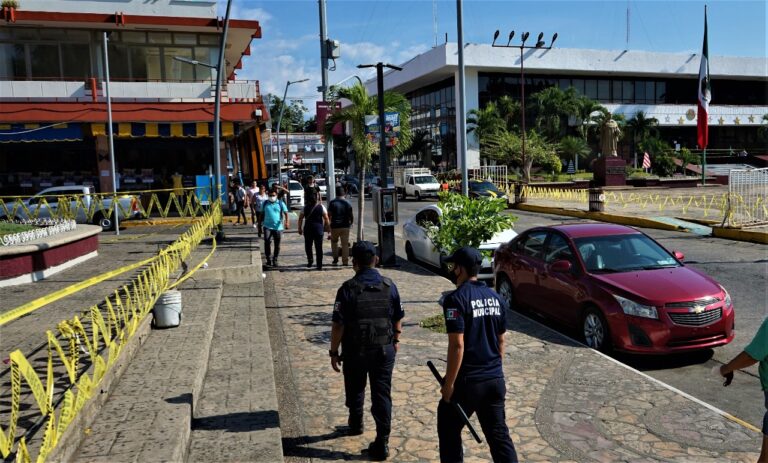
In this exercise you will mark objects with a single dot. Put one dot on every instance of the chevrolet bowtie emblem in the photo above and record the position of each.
(697, 309)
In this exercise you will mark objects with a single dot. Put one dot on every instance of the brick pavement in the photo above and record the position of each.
(564, 402)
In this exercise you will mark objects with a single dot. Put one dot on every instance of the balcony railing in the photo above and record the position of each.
(52, 90)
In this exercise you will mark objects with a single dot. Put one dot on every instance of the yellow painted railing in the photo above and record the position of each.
(98, 335)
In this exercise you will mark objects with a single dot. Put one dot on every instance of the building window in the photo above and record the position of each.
(13, 61)
(44, 61)
(72, 62)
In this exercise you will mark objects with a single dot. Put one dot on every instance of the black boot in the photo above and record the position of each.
(355, 424)
(378, 450)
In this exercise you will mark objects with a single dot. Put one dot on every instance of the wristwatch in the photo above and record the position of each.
(333, 353)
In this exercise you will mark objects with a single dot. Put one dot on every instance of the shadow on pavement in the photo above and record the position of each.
(664, 362)
(238, 422)
(294, 447)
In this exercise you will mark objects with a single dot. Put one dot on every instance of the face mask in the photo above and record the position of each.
(453, 276)
(272, 199)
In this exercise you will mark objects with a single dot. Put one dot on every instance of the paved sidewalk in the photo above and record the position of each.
(564, 402)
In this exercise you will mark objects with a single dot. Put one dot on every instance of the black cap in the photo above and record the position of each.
(467, 257)
(363, 250)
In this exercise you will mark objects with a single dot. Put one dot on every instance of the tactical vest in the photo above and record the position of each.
(370, 323)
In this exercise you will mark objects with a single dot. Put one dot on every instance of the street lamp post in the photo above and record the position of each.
(115, 203)
(386, 232)
(280, 119)
(539, 45)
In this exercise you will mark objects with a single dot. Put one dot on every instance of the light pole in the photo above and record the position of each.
(383, 158)
(280, 119)
(539, 45)
(216, 109)
(386, 232)
(115, 204)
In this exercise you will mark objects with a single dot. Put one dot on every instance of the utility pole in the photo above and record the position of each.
(115, 204)
(220, 68)
(330, 162)
(462, 102)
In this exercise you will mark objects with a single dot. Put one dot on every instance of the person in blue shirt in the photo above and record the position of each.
(755, 352)
(275, 221)
(367, 319)
(475, 320)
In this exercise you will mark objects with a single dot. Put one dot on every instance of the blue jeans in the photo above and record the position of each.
(487, 399)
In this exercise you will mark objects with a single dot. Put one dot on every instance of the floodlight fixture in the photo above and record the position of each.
(511, 36)
(495, 36)
(554, 37)
(539, 41)
(524, 37)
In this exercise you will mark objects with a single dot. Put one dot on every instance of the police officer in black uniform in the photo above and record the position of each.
(367, 319)
(475, 319)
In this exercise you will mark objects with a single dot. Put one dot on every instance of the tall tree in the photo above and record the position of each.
(363, 104)
(585, 121)
(293, 115)
(553, 106)
(507, 148)
(421, 147)
(484, 123)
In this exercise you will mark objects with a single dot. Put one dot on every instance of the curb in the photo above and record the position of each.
(599, 216)
(740, 235)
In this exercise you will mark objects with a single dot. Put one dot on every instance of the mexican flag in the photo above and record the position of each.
(705, 93)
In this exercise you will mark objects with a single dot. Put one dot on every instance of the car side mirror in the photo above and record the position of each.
(678, 255)
(561, 266)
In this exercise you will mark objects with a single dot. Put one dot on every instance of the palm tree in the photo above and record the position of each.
(574, 147)
(552, 105)
(485, 122)
(763, 130)
(585, 121)
(642, 127)
(363, 104)
(420, 148)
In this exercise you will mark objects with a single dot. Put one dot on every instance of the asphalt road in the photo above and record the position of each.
(742, 268)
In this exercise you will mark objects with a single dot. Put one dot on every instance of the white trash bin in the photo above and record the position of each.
(167, 310)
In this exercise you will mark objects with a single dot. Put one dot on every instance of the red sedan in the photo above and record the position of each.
(618, 286)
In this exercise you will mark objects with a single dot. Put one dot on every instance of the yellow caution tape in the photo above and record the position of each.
(31, 306)
(106, 329)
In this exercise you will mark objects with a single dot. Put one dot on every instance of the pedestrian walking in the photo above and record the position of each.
(311, 190)
(314, 219)
(340, 214)
(275, 221)
(366, 322)
(756, 351)
(475, 320)
(240, 203)
(258, 198)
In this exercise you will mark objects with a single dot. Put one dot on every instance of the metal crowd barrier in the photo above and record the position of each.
(97, 335)
(90, 208)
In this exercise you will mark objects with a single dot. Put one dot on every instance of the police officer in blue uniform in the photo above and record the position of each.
(475, 319)
(367, 320)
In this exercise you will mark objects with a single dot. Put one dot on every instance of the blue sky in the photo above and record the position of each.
(395, 31)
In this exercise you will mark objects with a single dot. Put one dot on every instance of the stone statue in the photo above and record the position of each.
(609, 137)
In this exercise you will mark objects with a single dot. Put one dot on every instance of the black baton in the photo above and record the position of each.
(458, 408)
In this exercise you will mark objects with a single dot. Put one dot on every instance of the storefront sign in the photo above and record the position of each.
(324, 108)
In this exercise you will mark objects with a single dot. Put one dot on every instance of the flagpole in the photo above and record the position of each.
(704, 168)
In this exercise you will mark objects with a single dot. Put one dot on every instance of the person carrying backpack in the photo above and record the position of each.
(366, 323)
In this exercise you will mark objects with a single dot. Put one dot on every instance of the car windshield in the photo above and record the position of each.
(482, 186)
(623, 253)
(425, 179)
(295, 186)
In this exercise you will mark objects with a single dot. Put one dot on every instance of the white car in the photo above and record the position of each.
(296, 194)
(323, 185)
(419, 247)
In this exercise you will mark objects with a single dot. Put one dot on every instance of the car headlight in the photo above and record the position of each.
(638, 310)
(728, 302)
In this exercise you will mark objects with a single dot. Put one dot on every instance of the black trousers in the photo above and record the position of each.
(269, 236)
(240, 211)
(311, 239)
(376, 365)
(487, 399)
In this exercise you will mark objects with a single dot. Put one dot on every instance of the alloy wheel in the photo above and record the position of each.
(594, 331)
